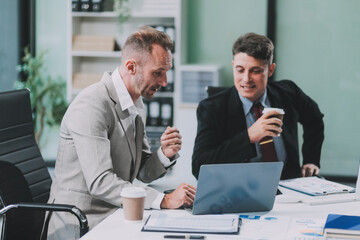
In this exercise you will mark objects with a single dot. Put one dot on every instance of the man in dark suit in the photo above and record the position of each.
(228, 130)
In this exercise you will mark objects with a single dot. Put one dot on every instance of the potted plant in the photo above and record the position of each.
(123, 9)
(47, 94)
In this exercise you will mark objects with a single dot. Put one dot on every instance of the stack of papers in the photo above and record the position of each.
(171, 222)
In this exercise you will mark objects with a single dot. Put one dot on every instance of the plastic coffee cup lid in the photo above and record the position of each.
(133, 192)
(279, 110)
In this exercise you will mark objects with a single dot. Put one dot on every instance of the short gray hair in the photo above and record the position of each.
(141, 41)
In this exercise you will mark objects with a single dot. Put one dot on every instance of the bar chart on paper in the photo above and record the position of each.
(306, 228)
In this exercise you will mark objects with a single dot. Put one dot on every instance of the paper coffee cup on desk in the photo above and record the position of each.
(280, 112)
(133, 200)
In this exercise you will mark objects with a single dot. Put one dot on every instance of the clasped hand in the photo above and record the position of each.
(182, 195)
(265, 126)
(170, 141)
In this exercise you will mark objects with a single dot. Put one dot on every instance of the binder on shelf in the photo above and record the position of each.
(82, 80)
(166, 112)
(342, 226)
(85, 5)
(76, 5)
(107, 5)
(170, 75)
(160, 112)
(160, 28)
(169, 30)
(154, 113)
(94, 43)
(146, 106)
(97, 5)
(170, 81)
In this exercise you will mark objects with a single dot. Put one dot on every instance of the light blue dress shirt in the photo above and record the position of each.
(250, 120)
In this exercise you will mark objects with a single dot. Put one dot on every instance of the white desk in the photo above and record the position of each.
(287, 220)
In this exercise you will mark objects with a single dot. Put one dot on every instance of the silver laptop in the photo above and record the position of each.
(238, 187)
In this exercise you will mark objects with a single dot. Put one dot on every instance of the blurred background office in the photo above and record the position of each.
(316, 45)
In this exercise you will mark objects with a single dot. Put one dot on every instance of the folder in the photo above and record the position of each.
(154, 113)
(76, 5)
(85, 5)
(94, 43)
(170, 81)
(171, 32)
(97, 5)
(160, 28)
(166, 112)
(342, 226)
(170, 76)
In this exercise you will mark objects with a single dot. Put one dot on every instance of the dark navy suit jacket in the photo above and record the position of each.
(222, 135)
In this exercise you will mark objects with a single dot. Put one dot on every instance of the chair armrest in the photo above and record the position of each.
(84, 228)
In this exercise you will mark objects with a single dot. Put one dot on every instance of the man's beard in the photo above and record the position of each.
(139, 81)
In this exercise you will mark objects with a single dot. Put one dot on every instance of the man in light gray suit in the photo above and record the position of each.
(103, 146)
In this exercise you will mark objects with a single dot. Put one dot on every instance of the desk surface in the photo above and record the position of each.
(287, 220)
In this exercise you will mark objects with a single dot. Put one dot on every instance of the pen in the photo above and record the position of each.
(185, 236)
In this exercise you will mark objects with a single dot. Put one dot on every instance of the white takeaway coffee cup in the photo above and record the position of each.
(280, 112)
(133, 200)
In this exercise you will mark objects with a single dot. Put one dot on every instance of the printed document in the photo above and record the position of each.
(315, 186)
(171, 222)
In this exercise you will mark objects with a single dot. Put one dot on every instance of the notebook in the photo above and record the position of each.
(236, 187)
(160, 221)
(342, 226)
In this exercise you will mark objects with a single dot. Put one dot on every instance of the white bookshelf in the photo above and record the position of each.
(114, 54)
(144, 12)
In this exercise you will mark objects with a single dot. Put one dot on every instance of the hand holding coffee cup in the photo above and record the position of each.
(269, 124)
(280, 113)
(133, 200)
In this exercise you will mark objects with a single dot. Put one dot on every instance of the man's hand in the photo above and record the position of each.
(170, 142)
(309, 170)
(265, 126)
(182, 195)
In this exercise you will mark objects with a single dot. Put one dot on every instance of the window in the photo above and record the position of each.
(17, 29)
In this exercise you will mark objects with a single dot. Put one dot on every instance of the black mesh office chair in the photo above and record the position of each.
(24, 179)
(211, 90)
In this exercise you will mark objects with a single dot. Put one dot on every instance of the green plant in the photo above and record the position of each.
(48, 95)
(123, 9)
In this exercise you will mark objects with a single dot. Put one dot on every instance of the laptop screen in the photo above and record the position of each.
(237, 187)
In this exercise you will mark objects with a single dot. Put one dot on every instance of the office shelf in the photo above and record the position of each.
(116, 54)
(95, 14)
(89, 65)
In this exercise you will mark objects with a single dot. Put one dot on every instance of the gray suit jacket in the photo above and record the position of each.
(98, 155)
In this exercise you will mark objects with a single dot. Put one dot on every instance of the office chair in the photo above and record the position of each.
(24, 180)
(211, 90)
